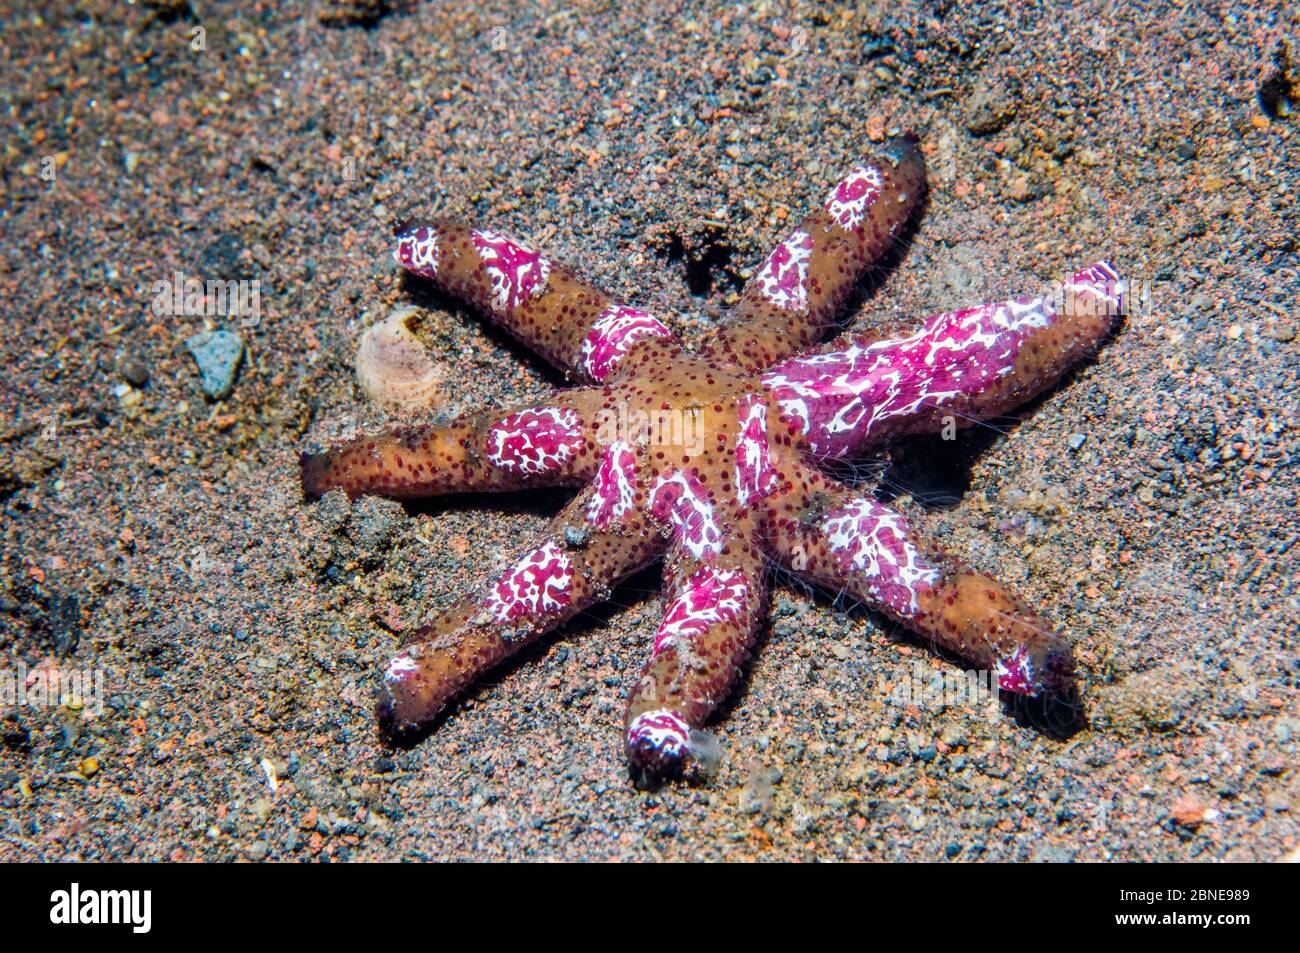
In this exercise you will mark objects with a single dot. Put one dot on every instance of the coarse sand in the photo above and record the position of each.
(156, 540)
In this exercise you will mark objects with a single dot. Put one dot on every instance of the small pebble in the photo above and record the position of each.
(133, 370)
(218, 354)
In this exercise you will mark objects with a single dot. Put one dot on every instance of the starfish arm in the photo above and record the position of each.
(553, 444)
(574, 566)
(713, 607)
(576, 327)
(795, 296)
(850, 542)
(960, 367)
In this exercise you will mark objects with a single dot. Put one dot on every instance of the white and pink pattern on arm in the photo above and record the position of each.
(755, 476)
(517, 273)
(682, 500)
(841, 399)
(712, 596)
(872, 540)
(783, 279)
(540, 583)
(534, 441)
(615, 489)
(418, 251)
(848, 201)
(662, 732)
(613, 334)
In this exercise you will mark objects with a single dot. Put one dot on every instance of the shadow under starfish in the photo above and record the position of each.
(713, 460)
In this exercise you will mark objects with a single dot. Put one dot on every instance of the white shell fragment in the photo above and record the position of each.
(394, 368)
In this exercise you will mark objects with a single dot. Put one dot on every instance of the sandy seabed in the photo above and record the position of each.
(156, 540)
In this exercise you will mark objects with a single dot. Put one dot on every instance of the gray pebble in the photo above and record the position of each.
(133, 370)
(217, 354)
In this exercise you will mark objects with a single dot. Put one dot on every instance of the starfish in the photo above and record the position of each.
(713, 459)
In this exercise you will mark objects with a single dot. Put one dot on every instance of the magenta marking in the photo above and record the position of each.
(783, 279)
(614, 492)
(712, 597)
(541, 582)
(612, 336)
(1098, 290)
(872, 540)
(517, 273)
(534, 441)
(400, 668)
(1015, 674)
(838, 398)
(755, 476)
(662, 731)
(848, 201)
(680, 499)
(418, 251)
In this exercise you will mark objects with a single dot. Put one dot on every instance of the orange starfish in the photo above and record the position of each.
(710, 459)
